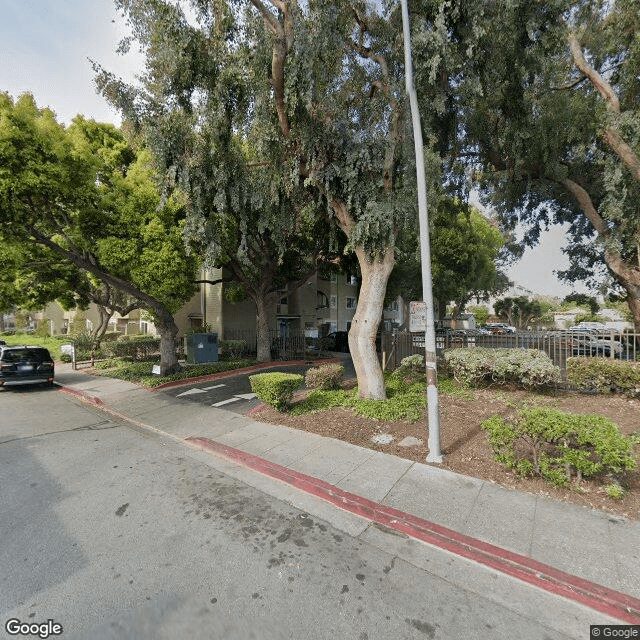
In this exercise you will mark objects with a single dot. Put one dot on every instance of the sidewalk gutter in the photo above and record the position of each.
(608, 601)
(603, 599)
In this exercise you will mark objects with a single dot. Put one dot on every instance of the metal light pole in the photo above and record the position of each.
(433, 404)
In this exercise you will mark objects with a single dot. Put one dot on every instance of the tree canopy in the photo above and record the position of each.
(85, 196)
(280, 102)
(551, 123)
(465, 258)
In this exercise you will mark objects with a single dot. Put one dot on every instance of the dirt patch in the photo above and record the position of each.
(464, 442)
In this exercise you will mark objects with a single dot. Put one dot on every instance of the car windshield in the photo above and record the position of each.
(15, 355)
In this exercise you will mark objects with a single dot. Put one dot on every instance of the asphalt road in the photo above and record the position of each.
(117, 533)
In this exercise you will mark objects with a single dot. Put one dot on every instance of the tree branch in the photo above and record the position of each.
(87, 265)
(603, 87)
(613, 259)
(611, 135)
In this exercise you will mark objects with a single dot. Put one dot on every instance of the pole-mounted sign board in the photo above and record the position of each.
(417, 317)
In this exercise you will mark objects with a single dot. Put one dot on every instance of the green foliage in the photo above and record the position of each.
(84, 196)
(322, 400)
(52, 343)
(140, 372)
(528, 368)
(406, 405)
(232, 349)
(614, 491)
(44, 328)
(132, 347)
(519, 312)
(327, 377)
(548, 137)
(481, 314)
(78, 326)
(604, 375)
(583, 300)
(276, 388)
(557, 445)
(65, 357)
(465, 249)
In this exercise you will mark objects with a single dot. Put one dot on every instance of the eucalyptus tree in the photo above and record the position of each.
(83, 195)
(550, 112)
(288, 107)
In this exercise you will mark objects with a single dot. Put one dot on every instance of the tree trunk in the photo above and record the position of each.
(105, 316)
(262, 331)
(633, 300)
(168, 331)
(364, 326)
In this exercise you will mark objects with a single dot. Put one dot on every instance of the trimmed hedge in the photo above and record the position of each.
(327, 377)
(528, 368)
(604, 375)
(135, 348)
(276, 388)
(232, 349)
(557, 445)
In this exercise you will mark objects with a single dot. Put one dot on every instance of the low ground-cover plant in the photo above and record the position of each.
(141, 372)
(406, 398)
(327, 377)
(276, 388)
(558, 446)
(527, 368)
(604, 375)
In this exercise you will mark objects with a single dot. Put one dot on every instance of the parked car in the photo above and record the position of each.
(590, 345)
(500, 327)
(336, 341)
(25, 365)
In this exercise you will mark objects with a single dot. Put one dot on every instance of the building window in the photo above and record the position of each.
(352, 280)
(333, 301)
(351, 302)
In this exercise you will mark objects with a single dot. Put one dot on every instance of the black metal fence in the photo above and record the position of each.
(558, 345)
(244, 343)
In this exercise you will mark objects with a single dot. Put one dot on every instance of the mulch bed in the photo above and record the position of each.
(464, 442)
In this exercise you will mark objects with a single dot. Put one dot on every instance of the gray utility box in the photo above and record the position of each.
(202, 347)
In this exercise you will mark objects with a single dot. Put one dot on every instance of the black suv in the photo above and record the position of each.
(25, 365)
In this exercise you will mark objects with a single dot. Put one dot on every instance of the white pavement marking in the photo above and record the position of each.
(219, 404)
(191, 391)
(217, 386)
(240, 396)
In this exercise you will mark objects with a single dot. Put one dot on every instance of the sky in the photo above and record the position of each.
(46, 47)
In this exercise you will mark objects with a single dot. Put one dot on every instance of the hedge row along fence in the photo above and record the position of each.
(602, 375)
(528, 368)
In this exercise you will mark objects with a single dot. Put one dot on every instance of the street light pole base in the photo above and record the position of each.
(434, 458)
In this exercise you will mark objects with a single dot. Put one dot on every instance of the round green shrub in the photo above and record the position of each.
(327, 377)
(276, 388)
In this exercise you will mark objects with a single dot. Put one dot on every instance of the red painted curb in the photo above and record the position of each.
(608, 601)
(81, 394)
(233, 372)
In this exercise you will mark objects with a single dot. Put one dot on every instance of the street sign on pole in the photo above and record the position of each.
(417, 317)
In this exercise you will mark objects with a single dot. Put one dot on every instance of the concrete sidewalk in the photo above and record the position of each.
(520, 532)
